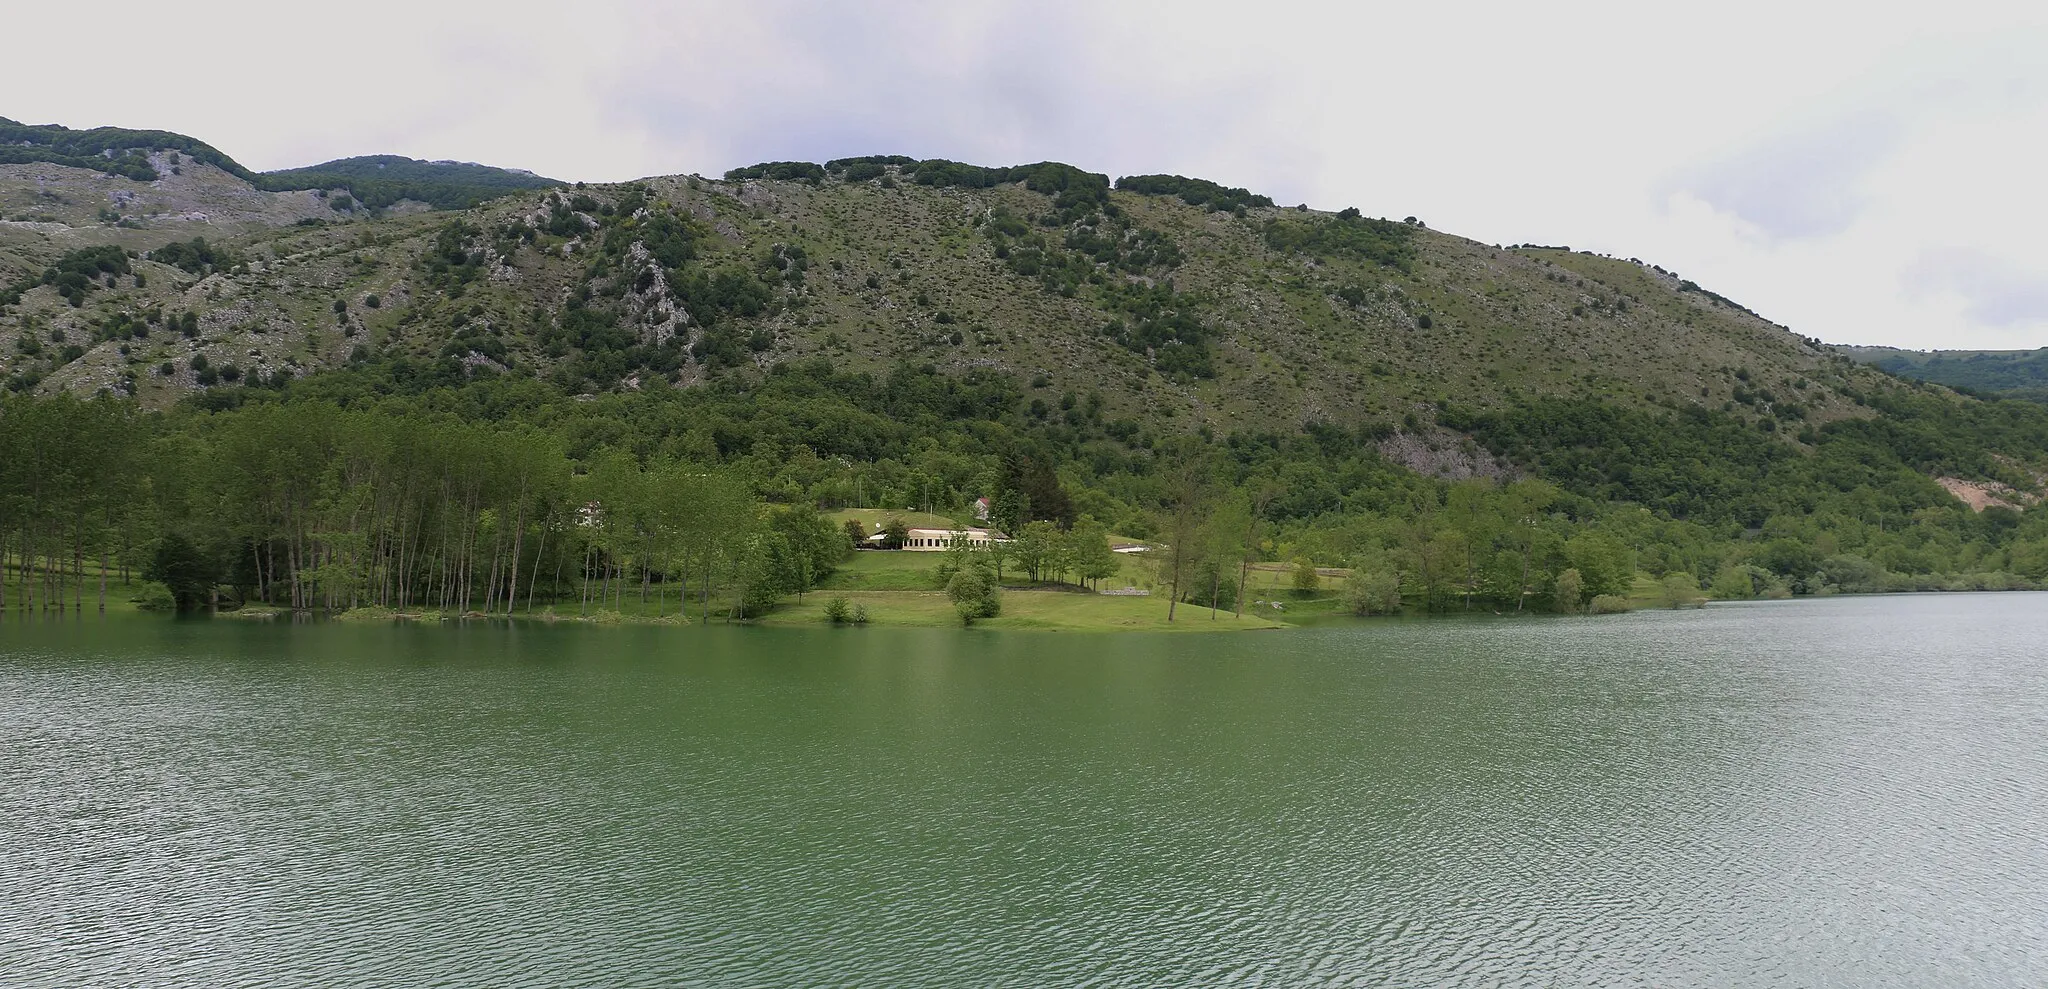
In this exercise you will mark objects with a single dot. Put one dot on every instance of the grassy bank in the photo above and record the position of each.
(120, 594)
(1053, 610)
(896, 589)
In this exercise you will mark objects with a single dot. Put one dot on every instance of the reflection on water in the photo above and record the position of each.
(1840, 792)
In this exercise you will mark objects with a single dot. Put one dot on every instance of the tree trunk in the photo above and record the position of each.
(540, 550)
(1173, 597)
(583, 600)
(705, 610)
(1523, 595)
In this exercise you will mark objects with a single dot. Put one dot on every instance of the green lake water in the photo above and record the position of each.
(1831, 792)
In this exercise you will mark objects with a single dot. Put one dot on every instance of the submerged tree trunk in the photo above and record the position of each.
(540, 550)
(518, 546)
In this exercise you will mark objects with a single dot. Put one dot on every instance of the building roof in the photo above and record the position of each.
(927, 533)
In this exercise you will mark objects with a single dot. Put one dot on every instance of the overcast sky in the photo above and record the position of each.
(1861, 173)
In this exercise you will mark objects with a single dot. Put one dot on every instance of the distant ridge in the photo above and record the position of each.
(114, 150)
(381, 180)
(1994, 373)
(377, 181)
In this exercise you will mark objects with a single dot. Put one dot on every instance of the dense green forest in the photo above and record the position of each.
(405, 486)
(378, 181)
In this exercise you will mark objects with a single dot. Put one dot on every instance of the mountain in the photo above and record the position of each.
(2021, 374)
(934, 326)
(1195, 308)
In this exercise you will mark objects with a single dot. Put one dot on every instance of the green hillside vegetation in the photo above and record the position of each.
(2019, 374)
(380, 181)
(421, 411)
(1177, 315)
(114, 150)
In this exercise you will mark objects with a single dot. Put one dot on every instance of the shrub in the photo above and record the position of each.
(837, 611)
(799, 171)
(1347, 234)
(1682, 590)
(1608, 604)
(1372, 593)
(973, 595)
(1306, 580)
(156, 597)
(1734, 583)
(186, 572)
(1853, 574)
(193, 257)
(860, 614)
(1194, 192)
(1566, 595)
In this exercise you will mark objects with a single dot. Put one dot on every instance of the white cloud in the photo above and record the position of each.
(1984, 289)
(1806, 163)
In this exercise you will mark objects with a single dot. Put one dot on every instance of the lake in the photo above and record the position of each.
(1844, 791)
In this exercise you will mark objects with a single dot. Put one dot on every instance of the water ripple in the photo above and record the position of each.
(1840, 792)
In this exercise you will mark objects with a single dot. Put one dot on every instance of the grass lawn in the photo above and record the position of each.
(871, 517)
(120, 596)
(885, 570)
(1052, 610)
(897, 588)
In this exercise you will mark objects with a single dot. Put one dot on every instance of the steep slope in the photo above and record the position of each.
(1255, 317)
(48, 209)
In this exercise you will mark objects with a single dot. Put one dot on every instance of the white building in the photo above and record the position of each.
(939, 540)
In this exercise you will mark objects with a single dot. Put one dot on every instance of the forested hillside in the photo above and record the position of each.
(556, 385)
(2021, 374)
